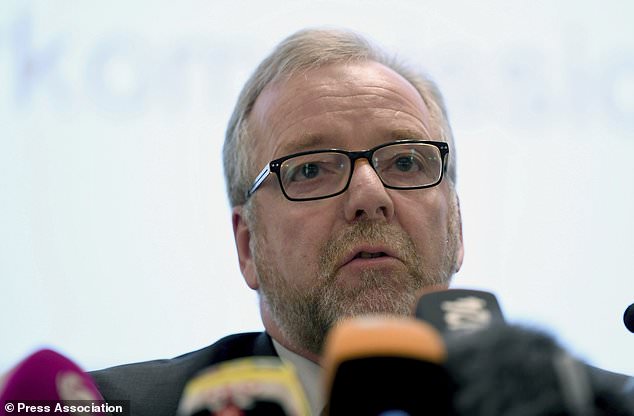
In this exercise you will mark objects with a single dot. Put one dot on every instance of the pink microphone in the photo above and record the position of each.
(46, 376)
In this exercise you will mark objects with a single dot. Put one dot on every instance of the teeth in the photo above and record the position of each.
(366, 255)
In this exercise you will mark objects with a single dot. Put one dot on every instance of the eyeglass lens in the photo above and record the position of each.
(403, 165)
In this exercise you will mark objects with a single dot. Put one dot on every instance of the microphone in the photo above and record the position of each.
(457, 311)
(513, 370)
(628, 318)
(252, 386)
(500, 369)
(510, 370)
(48, 376)
(386, 365)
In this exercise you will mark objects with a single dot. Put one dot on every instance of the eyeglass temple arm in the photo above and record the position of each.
(264, 173)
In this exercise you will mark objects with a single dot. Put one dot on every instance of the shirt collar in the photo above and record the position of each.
(310, 376)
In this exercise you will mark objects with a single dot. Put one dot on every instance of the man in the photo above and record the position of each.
(329, 234)
(326, 236)
(322, 234)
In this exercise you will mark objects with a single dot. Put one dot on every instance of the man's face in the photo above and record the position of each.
(368, 250)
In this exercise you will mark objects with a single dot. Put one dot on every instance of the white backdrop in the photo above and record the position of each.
(115, 236)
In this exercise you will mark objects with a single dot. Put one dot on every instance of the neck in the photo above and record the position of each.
(276, 333)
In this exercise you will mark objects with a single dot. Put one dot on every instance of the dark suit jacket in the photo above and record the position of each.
(154, 388)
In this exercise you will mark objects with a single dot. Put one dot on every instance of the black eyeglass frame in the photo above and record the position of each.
(275, 165)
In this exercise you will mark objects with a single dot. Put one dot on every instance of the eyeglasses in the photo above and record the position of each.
(319, 174)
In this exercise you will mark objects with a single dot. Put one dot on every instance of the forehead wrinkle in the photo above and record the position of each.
(395, 112)
(394, 97)
(310, 140)
(395, 107)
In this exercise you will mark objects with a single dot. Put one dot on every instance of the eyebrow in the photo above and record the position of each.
(311, 141)
(304, 142)
(411, 134)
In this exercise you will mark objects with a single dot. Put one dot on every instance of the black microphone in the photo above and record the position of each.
(457, 311)
(509, 370)
(251, 386)
(501, 369)
(379, 365)
(628, 318)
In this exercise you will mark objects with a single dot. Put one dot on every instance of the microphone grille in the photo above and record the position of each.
(628, 318)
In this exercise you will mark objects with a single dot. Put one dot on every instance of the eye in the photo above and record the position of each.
(405, 163)
(313, 169)
(304, 171)
(308, 171)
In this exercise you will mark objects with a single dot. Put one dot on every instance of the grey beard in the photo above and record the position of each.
(304, 315)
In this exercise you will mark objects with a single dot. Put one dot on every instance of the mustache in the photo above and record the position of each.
(334, 250)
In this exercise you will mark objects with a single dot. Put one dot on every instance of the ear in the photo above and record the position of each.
(460, 248)
(242, 237)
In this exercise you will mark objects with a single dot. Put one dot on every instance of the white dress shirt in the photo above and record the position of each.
(310, 376)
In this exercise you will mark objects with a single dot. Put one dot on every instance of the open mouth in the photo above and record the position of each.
(368, 255)
(368, 252)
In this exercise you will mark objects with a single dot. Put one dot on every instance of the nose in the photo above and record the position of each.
(366, 197)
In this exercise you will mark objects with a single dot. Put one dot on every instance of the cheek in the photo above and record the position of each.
(294, 235)
(424, 216)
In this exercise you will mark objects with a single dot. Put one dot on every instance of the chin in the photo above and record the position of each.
(369, 304)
